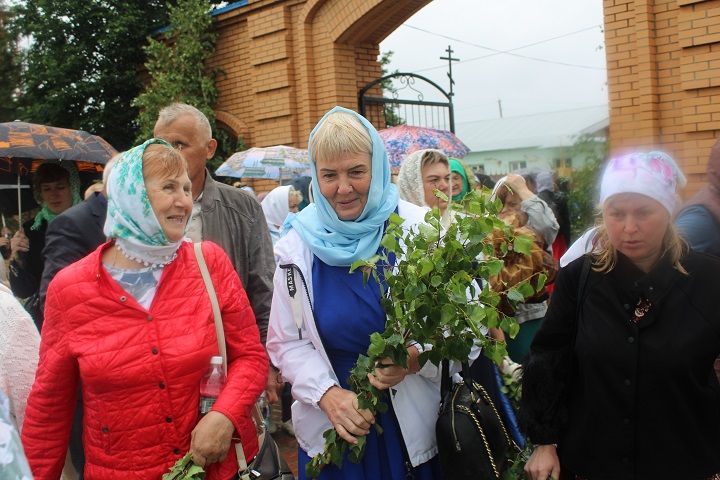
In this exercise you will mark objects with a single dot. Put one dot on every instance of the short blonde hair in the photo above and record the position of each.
(341, 133)
(295, 195)
(605, 254)
(162, 160)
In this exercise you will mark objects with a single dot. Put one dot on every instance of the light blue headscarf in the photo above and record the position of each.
(338, 242)
(130, 218)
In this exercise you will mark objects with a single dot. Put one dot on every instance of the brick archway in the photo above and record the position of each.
(286, 62)
(238, 128)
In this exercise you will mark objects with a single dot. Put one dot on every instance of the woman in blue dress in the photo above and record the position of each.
(322, 316)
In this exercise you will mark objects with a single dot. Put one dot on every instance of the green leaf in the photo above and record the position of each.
(436, 281)
(494, 266)
(357, 264)
(377, 345)
(390, 242)
(357, 451)
(426, 266)
(395, 340)
(429, 233)
(525, 289)
(541, 279)
(440, 195)
(396, 220)
(514, 295)
(523, 244)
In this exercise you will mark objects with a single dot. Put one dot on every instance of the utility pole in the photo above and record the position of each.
(500, 107)
(450, 60)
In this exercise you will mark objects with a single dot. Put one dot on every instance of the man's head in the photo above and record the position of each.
(187, 129)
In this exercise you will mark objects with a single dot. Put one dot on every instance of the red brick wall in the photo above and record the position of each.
(664, 78)
(286, 62)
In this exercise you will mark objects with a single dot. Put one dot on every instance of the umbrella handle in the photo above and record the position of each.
(19, 203)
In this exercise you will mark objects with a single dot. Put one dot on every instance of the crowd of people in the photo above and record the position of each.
(102, 364)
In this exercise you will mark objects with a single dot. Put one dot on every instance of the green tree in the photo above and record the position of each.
(81, 65)
(391, 116)
(176, 63)
(10, 61)
(585, 182)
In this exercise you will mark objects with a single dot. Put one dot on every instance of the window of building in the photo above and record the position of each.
(517, 165)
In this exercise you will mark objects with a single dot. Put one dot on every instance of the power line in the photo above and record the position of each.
(509, 51)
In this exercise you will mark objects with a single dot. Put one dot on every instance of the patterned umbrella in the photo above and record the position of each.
(405, 139)
(21, 143)
(23, 146)
(275, 163)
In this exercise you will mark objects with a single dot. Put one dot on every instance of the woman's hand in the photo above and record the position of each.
(388, 374)
(19, 244)
(517, 184)
(210, 441)
(274, 385)
(544, 463)
(341, 408)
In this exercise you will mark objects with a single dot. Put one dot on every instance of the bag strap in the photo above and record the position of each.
(220, 333)
(219, 330)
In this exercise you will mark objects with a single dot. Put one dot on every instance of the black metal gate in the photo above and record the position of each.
(398, 109)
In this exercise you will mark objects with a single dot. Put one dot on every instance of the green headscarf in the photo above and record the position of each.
(74, 181)
(457, 167)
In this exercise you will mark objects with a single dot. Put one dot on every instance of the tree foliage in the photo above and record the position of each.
(585, 183)
(176, 64)
(438, 294)
(10, 62)
(82, 62)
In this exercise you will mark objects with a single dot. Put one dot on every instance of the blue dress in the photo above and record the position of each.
(347, 312)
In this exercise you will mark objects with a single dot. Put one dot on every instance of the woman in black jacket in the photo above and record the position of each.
(56, 186)
(620, 382)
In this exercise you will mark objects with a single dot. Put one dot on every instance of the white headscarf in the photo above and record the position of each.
(276, 208)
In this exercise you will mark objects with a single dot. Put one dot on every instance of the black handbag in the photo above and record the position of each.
(268, 464)
(473, 442)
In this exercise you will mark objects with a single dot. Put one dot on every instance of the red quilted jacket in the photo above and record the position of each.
(139, 371)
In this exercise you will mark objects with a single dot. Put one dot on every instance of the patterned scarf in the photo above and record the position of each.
(130, 218)
(74, 180)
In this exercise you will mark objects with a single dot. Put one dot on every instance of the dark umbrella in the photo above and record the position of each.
(23, 146)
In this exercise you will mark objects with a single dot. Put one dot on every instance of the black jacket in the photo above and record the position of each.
(71, 236)
(25, 279)
(627, 401)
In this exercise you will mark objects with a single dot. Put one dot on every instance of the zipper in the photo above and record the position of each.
(470, 414)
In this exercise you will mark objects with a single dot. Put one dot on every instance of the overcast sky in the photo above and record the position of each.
(525, 86)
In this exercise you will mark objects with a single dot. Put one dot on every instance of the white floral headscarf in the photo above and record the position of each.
(130, 218)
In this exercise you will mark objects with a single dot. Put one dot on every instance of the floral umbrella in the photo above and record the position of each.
(405, 139)
(275, 163)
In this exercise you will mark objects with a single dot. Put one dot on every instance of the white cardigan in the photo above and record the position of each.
(296, 349)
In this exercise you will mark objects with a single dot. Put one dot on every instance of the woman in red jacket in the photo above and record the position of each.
(131, 325)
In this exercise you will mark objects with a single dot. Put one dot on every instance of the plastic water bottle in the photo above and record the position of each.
(211, 385)
(264, 410)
